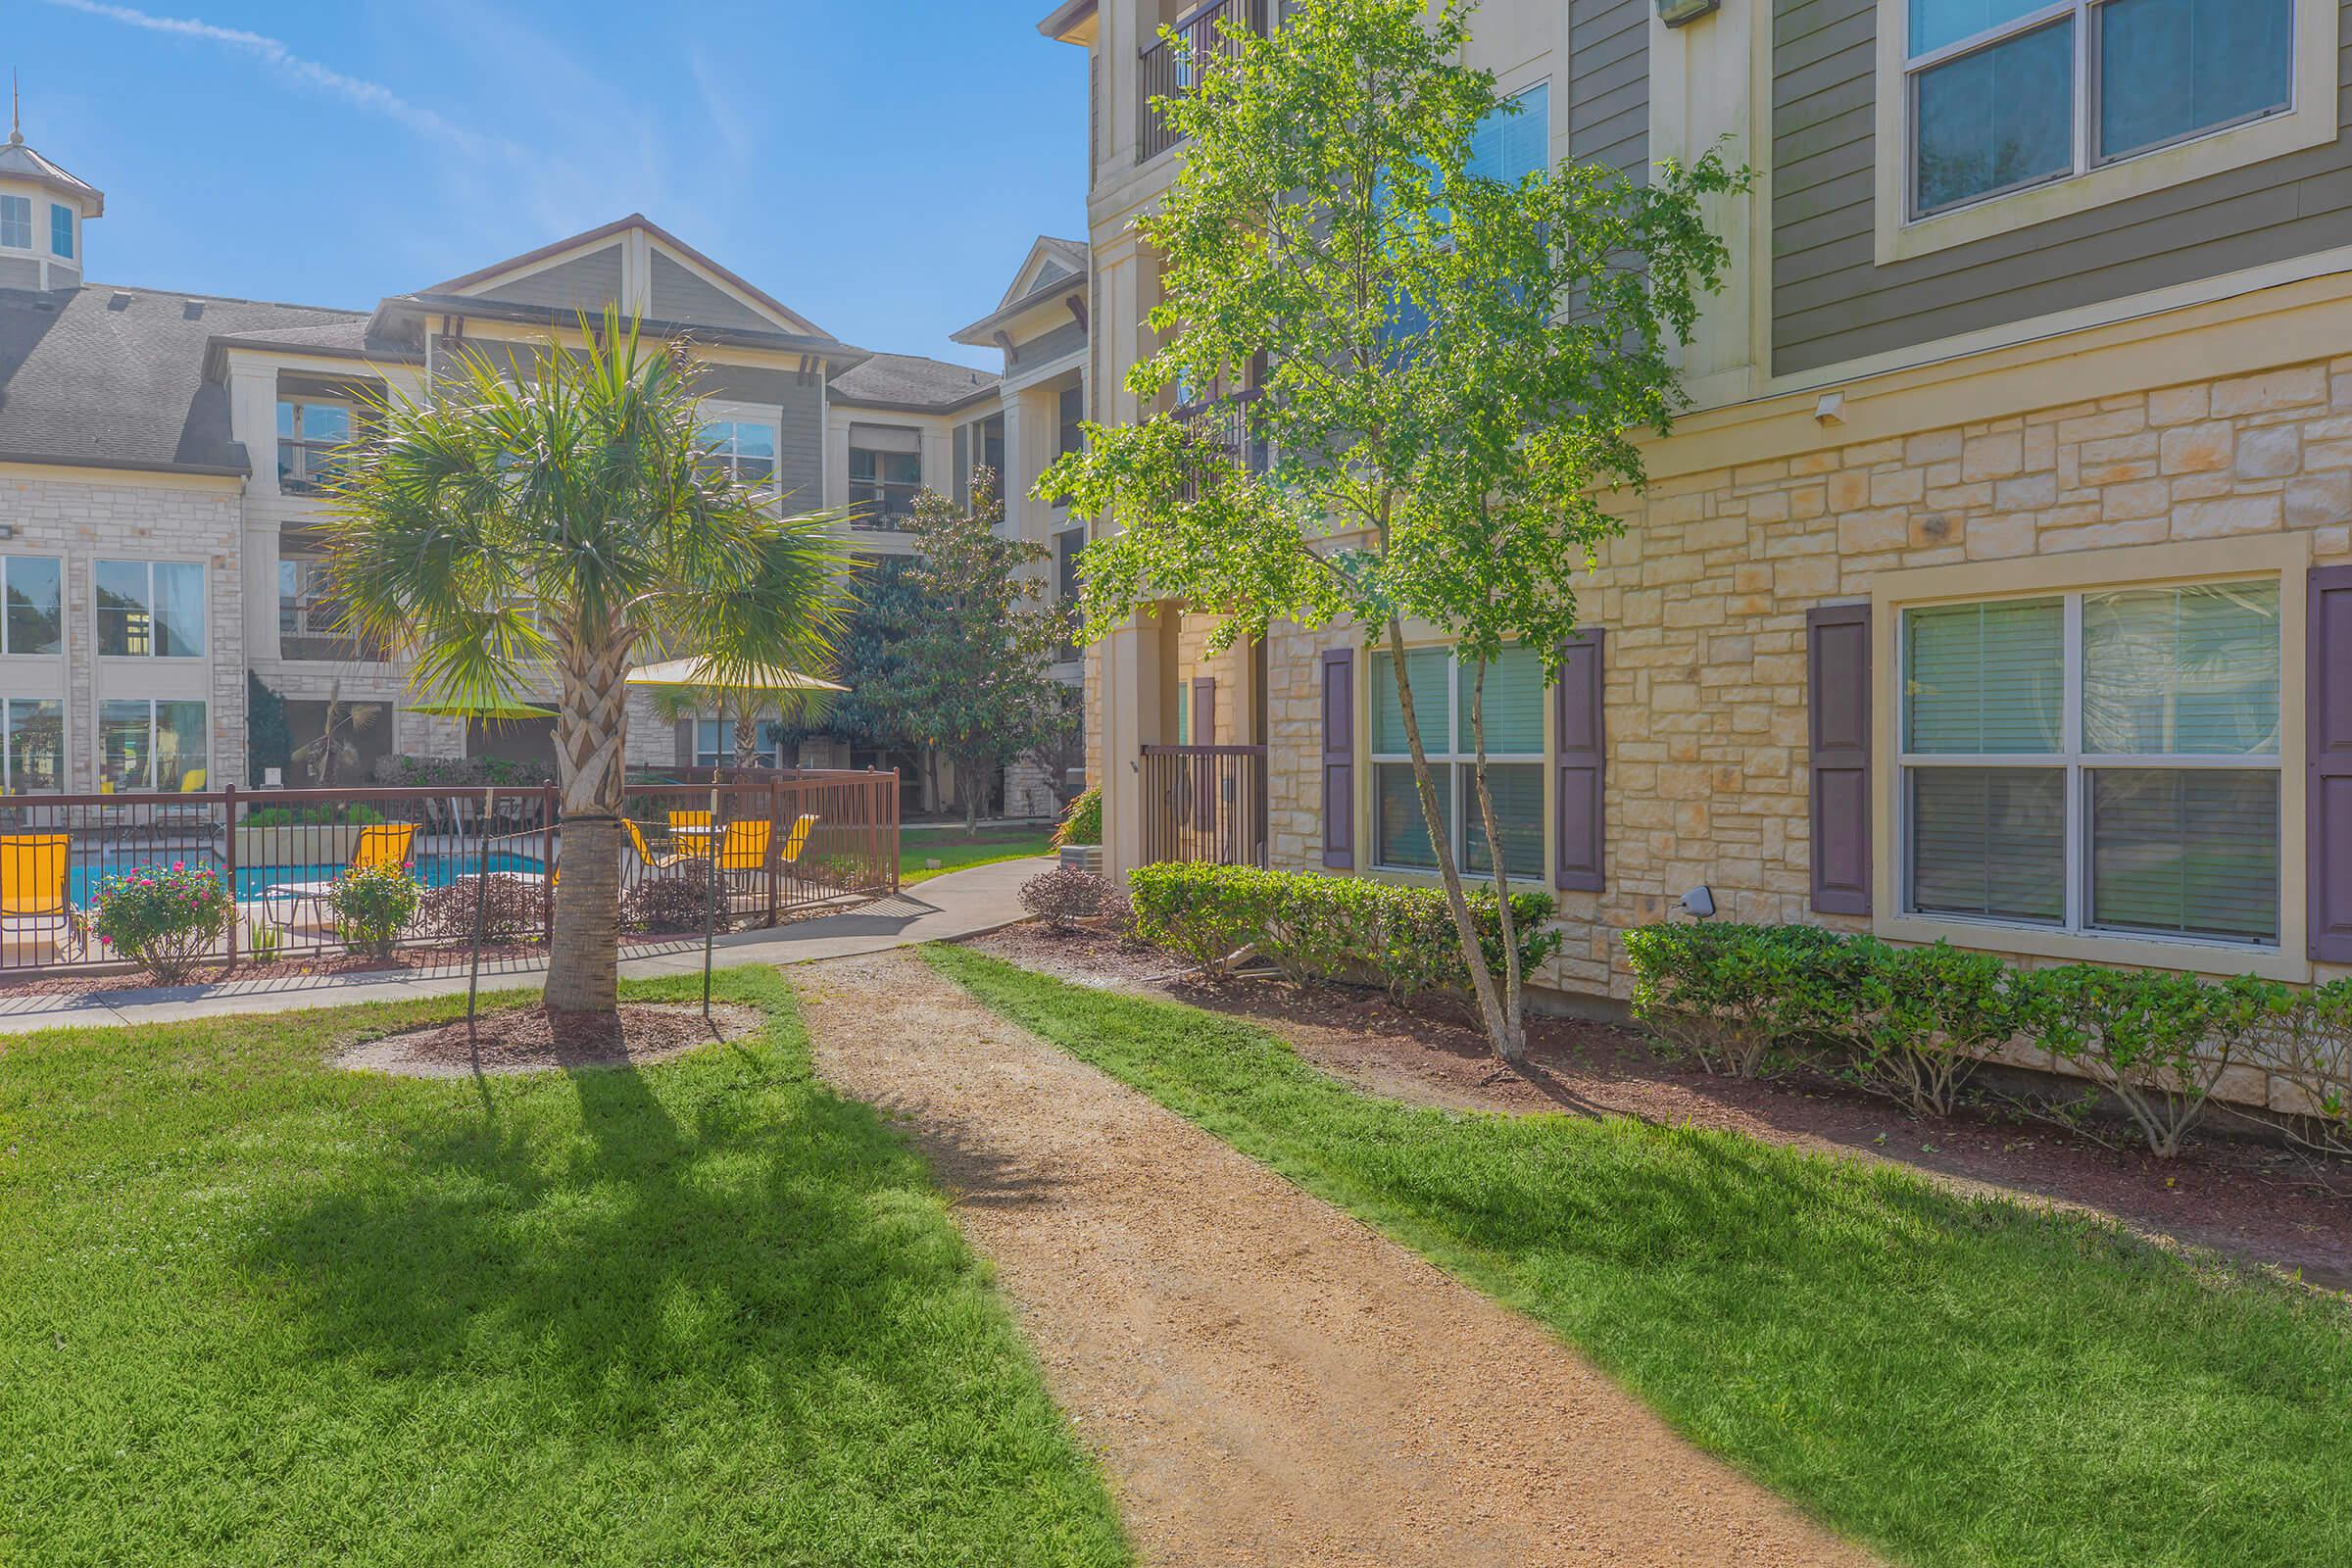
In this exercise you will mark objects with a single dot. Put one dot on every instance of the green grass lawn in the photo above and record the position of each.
(1956, 1382)
(256, 1310)
(955, 850)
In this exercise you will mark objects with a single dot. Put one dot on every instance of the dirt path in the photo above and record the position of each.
(1267, 1381)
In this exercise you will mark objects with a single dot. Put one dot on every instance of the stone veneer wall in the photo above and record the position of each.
(1704, 600)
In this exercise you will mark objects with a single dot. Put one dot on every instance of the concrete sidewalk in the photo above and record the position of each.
(960, 904)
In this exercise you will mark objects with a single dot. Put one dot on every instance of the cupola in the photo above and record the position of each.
(42, 209)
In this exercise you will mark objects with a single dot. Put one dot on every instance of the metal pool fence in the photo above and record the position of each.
(768, 847)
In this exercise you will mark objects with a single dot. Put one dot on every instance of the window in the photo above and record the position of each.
(2009, 93)
(150, 610)
(35, 618)
(310, 434)
(16, 222)
(61, 231)
(744, 450)
(1071, 435)
(150, 744)
(1513, 142)
(883, 486)
(33, 745)
(714, 743)
(1514, 723)
(2099, 762)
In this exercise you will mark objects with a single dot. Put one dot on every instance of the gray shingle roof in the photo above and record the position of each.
(115, 377)
(910, 381)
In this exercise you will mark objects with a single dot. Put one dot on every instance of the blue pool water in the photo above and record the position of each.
(433, 871)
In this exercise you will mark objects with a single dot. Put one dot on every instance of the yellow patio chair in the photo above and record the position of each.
(645, 853)
(798, 839)
(192, 781)
(33, 878)
(744, 849)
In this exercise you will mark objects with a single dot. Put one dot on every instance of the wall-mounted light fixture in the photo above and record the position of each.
(1698, 904)
(1679, 13)
(1829, 407)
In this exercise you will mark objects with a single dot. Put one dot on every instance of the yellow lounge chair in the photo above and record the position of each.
(33, 878)
(381, 844)
(798, 839)
(645, 853)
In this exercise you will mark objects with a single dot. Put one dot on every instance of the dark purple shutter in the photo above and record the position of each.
(1837, 670)
(1580, 763)
(2330, 744)
(1339, 759)
(1205, 770)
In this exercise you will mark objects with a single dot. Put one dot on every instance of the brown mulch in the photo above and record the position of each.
(2233, 1194)
(542, 1039)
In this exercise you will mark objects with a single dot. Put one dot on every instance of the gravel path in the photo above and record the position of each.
(1267, 1381)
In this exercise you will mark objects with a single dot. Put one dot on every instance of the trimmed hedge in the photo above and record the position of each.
(1314, 927)
(1914, 1023)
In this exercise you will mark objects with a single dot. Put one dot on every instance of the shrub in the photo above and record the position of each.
(514, 908)
(2313, 1044)
(1327, 927)
(352, 813)
(1064, 896)
(1082, 822)
(403, 771)
(1728, 994)
(371, 905)
(678, 901)
(164, 918)
(1926, 1017)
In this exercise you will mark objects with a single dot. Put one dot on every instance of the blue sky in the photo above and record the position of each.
(880, 165)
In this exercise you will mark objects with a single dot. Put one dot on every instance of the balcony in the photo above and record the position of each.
(1220, 428)
(1203, 804)
(1167, 67)
(319, 630)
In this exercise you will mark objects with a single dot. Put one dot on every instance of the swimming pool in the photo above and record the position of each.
(433, 871)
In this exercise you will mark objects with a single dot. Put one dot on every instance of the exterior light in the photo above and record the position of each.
(1676, 13)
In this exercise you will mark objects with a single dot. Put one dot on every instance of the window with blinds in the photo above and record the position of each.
(1513, 704)
(2099, 762)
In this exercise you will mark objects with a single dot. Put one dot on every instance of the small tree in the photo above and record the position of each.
(969, 665)
(1446, 369)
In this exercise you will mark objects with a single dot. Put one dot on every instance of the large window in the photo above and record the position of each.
(32, 744)
(883, 486)
(150, 608)
(2097, 761)
(2009, 93)
(714, 743)
(150, 744)
(61, 231)
(1514, 726)
(310, 435)
(744, 450)
(16, 222)
(35, 617)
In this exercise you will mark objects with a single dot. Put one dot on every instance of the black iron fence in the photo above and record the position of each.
(1169, 69)
(1204, 804)
(767, 846)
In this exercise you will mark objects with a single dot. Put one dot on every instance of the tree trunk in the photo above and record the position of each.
(1514, 984)
(968, 785)
(583, 971)
(747, 738)
(1440, 839)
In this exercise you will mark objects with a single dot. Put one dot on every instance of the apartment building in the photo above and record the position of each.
(162, 458)
(1998, 588)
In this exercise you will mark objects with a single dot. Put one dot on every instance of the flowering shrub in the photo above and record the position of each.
(166, 919)
(515, 908)
(371, 905)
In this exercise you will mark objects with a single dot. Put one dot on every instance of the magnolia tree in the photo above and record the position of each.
(1446, 369)
(970, 641)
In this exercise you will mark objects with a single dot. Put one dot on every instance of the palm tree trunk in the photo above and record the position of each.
(583, 967)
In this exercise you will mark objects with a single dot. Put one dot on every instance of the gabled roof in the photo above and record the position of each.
(911, 383)
(1063, 23)
(1054, 269)
(20, 162)
(788, 321)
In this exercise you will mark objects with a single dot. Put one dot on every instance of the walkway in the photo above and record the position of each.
(959, 904)
(1267, 1381)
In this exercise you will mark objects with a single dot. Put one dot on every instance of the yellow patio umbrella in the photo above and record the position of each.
(708, 673)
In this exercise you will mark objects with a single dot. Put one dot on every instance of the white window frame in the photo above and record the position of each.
(2078, 765)
(204, 607)
(65, 617)
(731, 415)
(880, 520)
(65, 761)
(1464, 792)
(24, 244)
(725, 754)
(1901, 233)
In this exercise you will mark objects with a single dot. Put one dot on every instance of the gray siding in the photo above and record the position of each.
(587, 283)
(681, 296)
(1067, 339)
(1832, 302)
(801, 425)
(20, 272)
(1608, 88)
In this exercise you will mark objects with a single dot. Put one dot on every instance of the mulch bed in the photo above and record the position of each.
(515, 1039)
(2236, 1194)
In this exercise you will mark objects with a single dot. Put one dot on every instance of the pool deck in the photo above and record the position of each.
(959, 904)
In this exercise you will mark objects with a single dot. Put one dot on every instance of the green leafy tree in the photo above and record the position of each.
(1446, 369)
(570, 525)
(970, 645)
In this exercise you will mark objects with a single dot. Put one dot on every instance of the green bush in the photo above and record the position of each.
(1082, 824)
(350, 814)
(371, 905)
(167, 918)
(1314, 927)
(1925, 1018)
(1732, 994)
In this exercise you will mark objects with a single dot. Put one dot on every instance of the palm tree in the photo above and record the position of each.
(573, 522)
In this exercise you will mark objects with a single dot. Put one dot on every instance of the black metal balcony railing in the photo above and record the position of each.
(1167, 69)
(320, 629)
(1221, 428)
(1204, 804)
